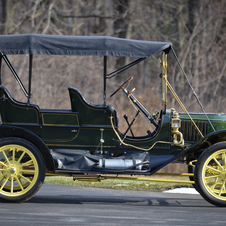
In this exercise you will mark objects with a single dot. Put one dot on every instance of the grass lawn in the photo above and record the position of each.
(118, 184)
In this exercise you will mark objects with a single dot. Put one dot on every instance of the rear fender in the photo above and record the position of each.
(13, 131)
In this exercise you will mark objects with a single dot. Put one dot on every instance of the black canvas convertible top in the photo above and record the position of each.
(79, 45)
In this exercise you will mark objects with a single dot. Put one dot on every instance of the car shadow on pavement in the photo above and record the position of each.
(119, 200)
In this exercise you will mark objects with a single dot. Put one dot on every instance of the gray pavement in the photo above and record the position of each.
(63, 205)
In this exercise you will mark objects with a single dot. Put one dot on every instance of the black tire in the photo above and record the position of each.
(191, 169)
(22, 169)
(210, 174)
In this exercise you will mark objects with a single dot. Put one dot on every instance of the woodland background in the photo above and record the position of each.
(197, 29)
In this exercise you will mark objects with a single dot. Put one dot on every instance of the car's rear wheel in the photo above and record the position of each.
(210, 174)
(22, 169)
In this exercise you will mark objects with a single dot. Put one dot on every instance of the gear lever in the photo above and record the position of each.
(126, 118)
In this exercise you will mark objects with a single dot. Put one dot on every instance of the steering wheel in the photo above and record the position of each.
(123, 85)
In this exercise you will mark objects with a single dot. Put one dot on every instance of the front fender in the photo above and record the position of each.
(210, 139)
(14, 131)
(194, 151)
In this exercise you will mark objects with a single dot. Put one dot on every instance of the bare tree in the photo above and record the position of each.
(196, 29)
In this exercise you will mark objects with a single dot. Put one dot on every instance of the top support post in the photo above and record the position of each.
(164, 79)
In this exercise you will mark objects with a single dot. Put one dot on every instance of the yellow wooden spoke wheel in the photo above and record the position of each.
(210, 174)
(22, 169)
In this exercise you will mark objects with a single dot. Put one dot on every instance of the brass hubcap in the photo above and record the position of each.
(13, 169)
(223, 175)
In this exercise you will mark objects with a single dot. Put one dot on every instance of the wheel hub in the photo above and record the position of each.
(13, 170)
(223, 175)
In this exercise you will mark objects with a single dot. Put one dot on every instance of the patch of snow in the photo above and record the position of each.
(136, 182)
(182, 190)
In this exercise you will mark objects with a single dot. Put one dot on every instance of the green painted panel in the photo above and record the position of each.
(60, 119)
(58, 134)
(188, 129)
(90, 115)
(88, 137)
(33, 128)
(11, 113)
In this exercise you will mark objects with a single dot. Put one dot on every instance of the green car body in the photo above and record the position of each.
(86, 139)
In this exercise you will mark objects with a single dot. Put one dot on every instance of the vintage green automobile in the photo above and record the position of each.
(85, 142)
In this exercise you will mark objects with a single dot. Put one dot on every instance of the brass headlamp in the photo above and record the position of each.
(178, 139)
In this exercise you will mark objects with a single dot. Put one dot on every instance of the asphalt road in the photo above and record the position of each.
(62, 205)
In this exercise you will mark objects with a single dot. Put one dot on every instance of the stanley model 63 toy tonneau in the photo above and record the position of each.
(85, 141)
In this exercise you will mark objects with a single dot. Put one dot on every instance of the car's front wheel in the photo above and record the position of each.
(210, 174)
(22, 169)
